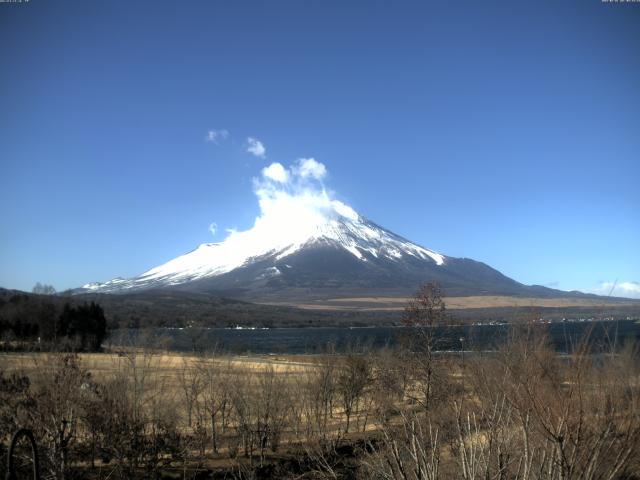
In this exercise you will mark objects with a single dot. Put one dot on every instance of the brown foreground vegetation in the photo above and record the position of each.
(522, 412)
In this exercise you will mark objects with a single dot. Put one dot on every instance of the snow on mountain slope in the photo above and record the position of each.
(296, 212)
(337, 224)
(307, 245)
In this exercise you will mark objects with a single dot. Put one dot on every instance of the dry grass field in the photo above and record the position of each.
(163, 363)
(144, 413)
(459, 303)
(256, 404)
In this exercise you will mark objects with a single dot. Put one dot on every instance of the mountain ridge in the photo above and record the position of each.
(328, 252)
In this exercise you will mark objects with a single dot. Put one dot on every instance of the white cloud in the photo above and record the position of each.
(256, 147)
(216, 136)
(276, 172)
(293, 200)
(213, 227)
(310, 168)
(291, 212)
(619, 289)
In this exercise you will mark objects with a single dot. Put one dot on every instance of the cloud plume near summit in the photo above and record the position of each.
(297, 215)
(294, 199)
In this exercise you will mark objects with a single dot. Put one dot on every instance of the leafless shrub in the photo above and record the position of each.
(56, 412)
(390, 379)
(318, 389)
(534, 414)
(261, 405)
(522, 412)
(353, 377)
(191, 386)
(409, 451)
(215, 393)
(424, 313)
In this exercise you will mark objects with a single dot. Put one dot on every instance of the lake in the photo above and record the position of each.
(563, 336)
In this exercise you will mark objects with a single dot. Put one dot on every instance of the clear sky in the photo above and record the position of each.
(507, 132)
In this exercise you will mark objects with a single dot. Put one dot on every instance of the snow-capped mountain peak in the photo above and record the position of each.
(275, 237)
(306, 245)
(298, 217)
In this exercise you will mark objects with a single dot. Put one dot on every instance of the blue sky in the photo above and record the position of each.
(507, 132)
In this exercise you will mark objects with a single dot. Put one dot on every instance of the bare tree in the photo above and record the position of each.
(390, 379)
(352, 379)
(424, 313)
(272, 405)
(241, 392)
(319, 388)
(190, 380)
(216, 374)
(409, 451)
(57, 412)
(41, 289)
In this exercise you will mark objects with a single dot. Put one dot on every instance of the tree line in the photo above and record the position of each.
(37, 322)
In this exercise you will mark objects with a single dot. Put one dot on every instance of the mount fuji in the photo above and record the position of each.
(305, 253)
(307, 245)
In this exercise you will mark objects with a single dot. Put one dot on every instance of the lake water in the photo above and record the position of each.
(563, 335)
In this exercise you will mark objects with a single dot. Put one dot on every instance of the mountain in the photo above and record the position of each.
(319, 254)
